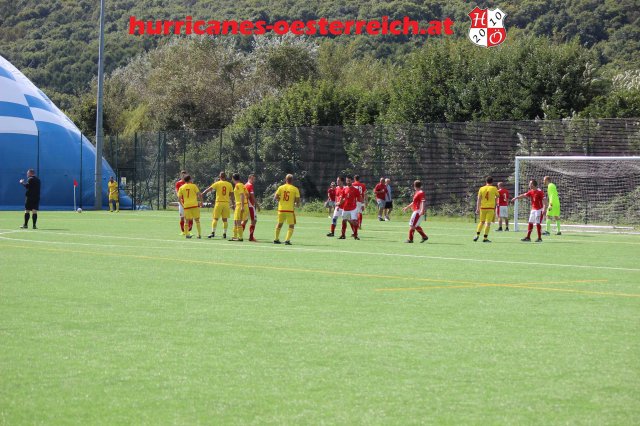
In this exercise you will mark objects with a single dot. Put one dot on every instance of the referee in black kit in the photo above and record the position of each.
(32, 199)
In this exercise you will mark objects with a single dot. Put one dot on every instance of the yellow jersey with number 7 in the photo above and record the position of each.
(488, 195)
(287, 195)
(189, 195)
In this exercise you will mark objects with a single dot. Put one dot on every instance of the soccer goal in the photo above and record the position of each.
(598, 194)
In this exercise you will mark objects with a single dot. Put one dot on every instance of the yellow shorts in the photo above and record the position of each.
(221, 210)
(241, 214)
(113, 198)
(288, 217)
(192, 213)
(487, 215)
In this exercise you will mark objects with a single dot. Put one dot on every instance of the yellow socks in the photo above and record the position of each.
(278, 233)
(289, 234)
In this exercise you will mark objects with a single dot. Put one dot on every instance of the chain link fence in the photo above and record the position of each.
(450, 158)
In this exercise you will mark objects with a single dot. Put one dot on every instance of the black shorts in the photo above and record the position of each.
(32, 204)
(388, 205)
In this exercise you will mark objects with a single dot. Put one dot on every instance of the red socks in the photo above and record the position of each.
(182, 224)
(421, 232)
(359, 219)
(333, 227)
(251, 229)
(354, 228)
(539, 229)
(411, 232)
(529, 230)
(344, 227)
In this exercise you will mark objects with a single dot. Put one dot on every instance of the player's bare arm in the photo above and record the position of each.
(478, 204)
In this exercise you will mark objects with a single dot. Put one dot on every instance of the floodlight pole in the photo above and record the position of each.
(99, 132)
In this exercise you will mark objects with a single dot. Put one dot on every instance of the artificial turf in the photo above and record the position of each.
(112, 318)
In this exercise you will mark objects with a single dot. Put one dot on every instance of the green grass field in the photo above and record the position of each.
(115, 319)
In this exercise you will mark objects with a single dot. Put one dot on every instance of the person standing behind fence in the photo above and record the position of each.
(179, 183)
(114, 195)
(331, 198)
(388, 199)
(381, 192)
(32, 198)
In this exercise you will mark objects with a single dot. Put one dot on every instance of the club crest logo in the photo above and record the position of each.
(487, 27)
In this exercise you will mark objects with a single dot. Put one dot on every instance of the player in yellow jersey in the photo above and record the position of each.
(223, 189)
(114, 194)
(241, 211)
(288, 197)
(190, 199)
(486, 207)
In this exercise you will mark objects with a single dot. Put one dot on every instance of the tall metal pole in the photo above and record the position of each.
(99, 133)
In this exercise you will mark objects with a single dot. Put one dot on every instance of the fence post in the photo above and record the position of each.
(164, 172)
(255, 151)
(80, 183)
(158, 169)
(220, 150)
(135, 169)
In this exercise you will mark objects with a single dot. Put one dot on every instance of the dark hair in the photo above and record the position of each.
(534, 182)
(187, 178)
(417, 184)
(356, 177)
(236, 176)
(489, 179)
(222, 175)
(349, 177)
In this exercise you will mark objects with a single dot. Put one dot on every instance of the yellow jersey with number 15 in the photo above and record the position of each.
(287, 195)
(488, 195)
(189, 195)
(223, 190)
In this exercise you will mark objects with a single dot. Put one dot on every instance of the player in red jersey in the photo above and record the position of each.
(349, 206)
(331, 198)
(179, 183)
(503, 206)
(362, 200)
(538, 205)
(337, 212)
(419, 208)
(381, 192)
(253, 206)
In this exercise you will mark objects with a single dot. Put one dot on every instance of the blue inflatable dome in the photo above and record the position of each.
(35, 134)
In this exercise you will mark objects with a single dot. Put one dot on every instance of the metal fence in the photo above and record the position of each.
(450, 158)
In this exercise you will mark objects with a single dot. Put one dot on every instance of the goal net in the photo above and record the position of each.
(596, 193)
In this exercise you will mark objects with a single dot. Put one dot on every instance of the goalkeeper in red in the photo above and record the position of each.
(538, 204)
(553, 211)
(486, 207)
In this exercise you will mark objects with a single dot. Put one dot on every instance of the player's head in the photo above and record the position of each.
(111, 179)
(339, 181)
(489, 180)
(251, 178)
(236, 177)
(356, 178)
(381, 180)
(417, 184)
(533, 184)
(31, 172)
(546, 180)
(500, 185)
(333, 184)
(348, 179)
(289, 178)
(387, 181)
(187, 178)
(222, 176)
(183, 173)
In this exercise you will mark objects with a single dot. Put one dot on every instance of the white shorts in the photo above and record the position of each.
(359, 207)
(504, 212)
(337, 212)
(535, 216)
(181, 210)
(380, 203)
(350, 214)
(416, 219)
(330, 204)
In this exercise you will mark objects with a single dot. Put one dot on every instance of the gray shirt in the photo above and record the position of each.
(388, 196)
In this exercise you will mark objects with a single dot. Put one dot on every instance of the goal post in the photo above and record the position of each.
(596, 192)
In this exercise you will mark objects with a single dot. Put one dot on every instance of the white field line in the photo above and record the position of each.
(248, 246)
